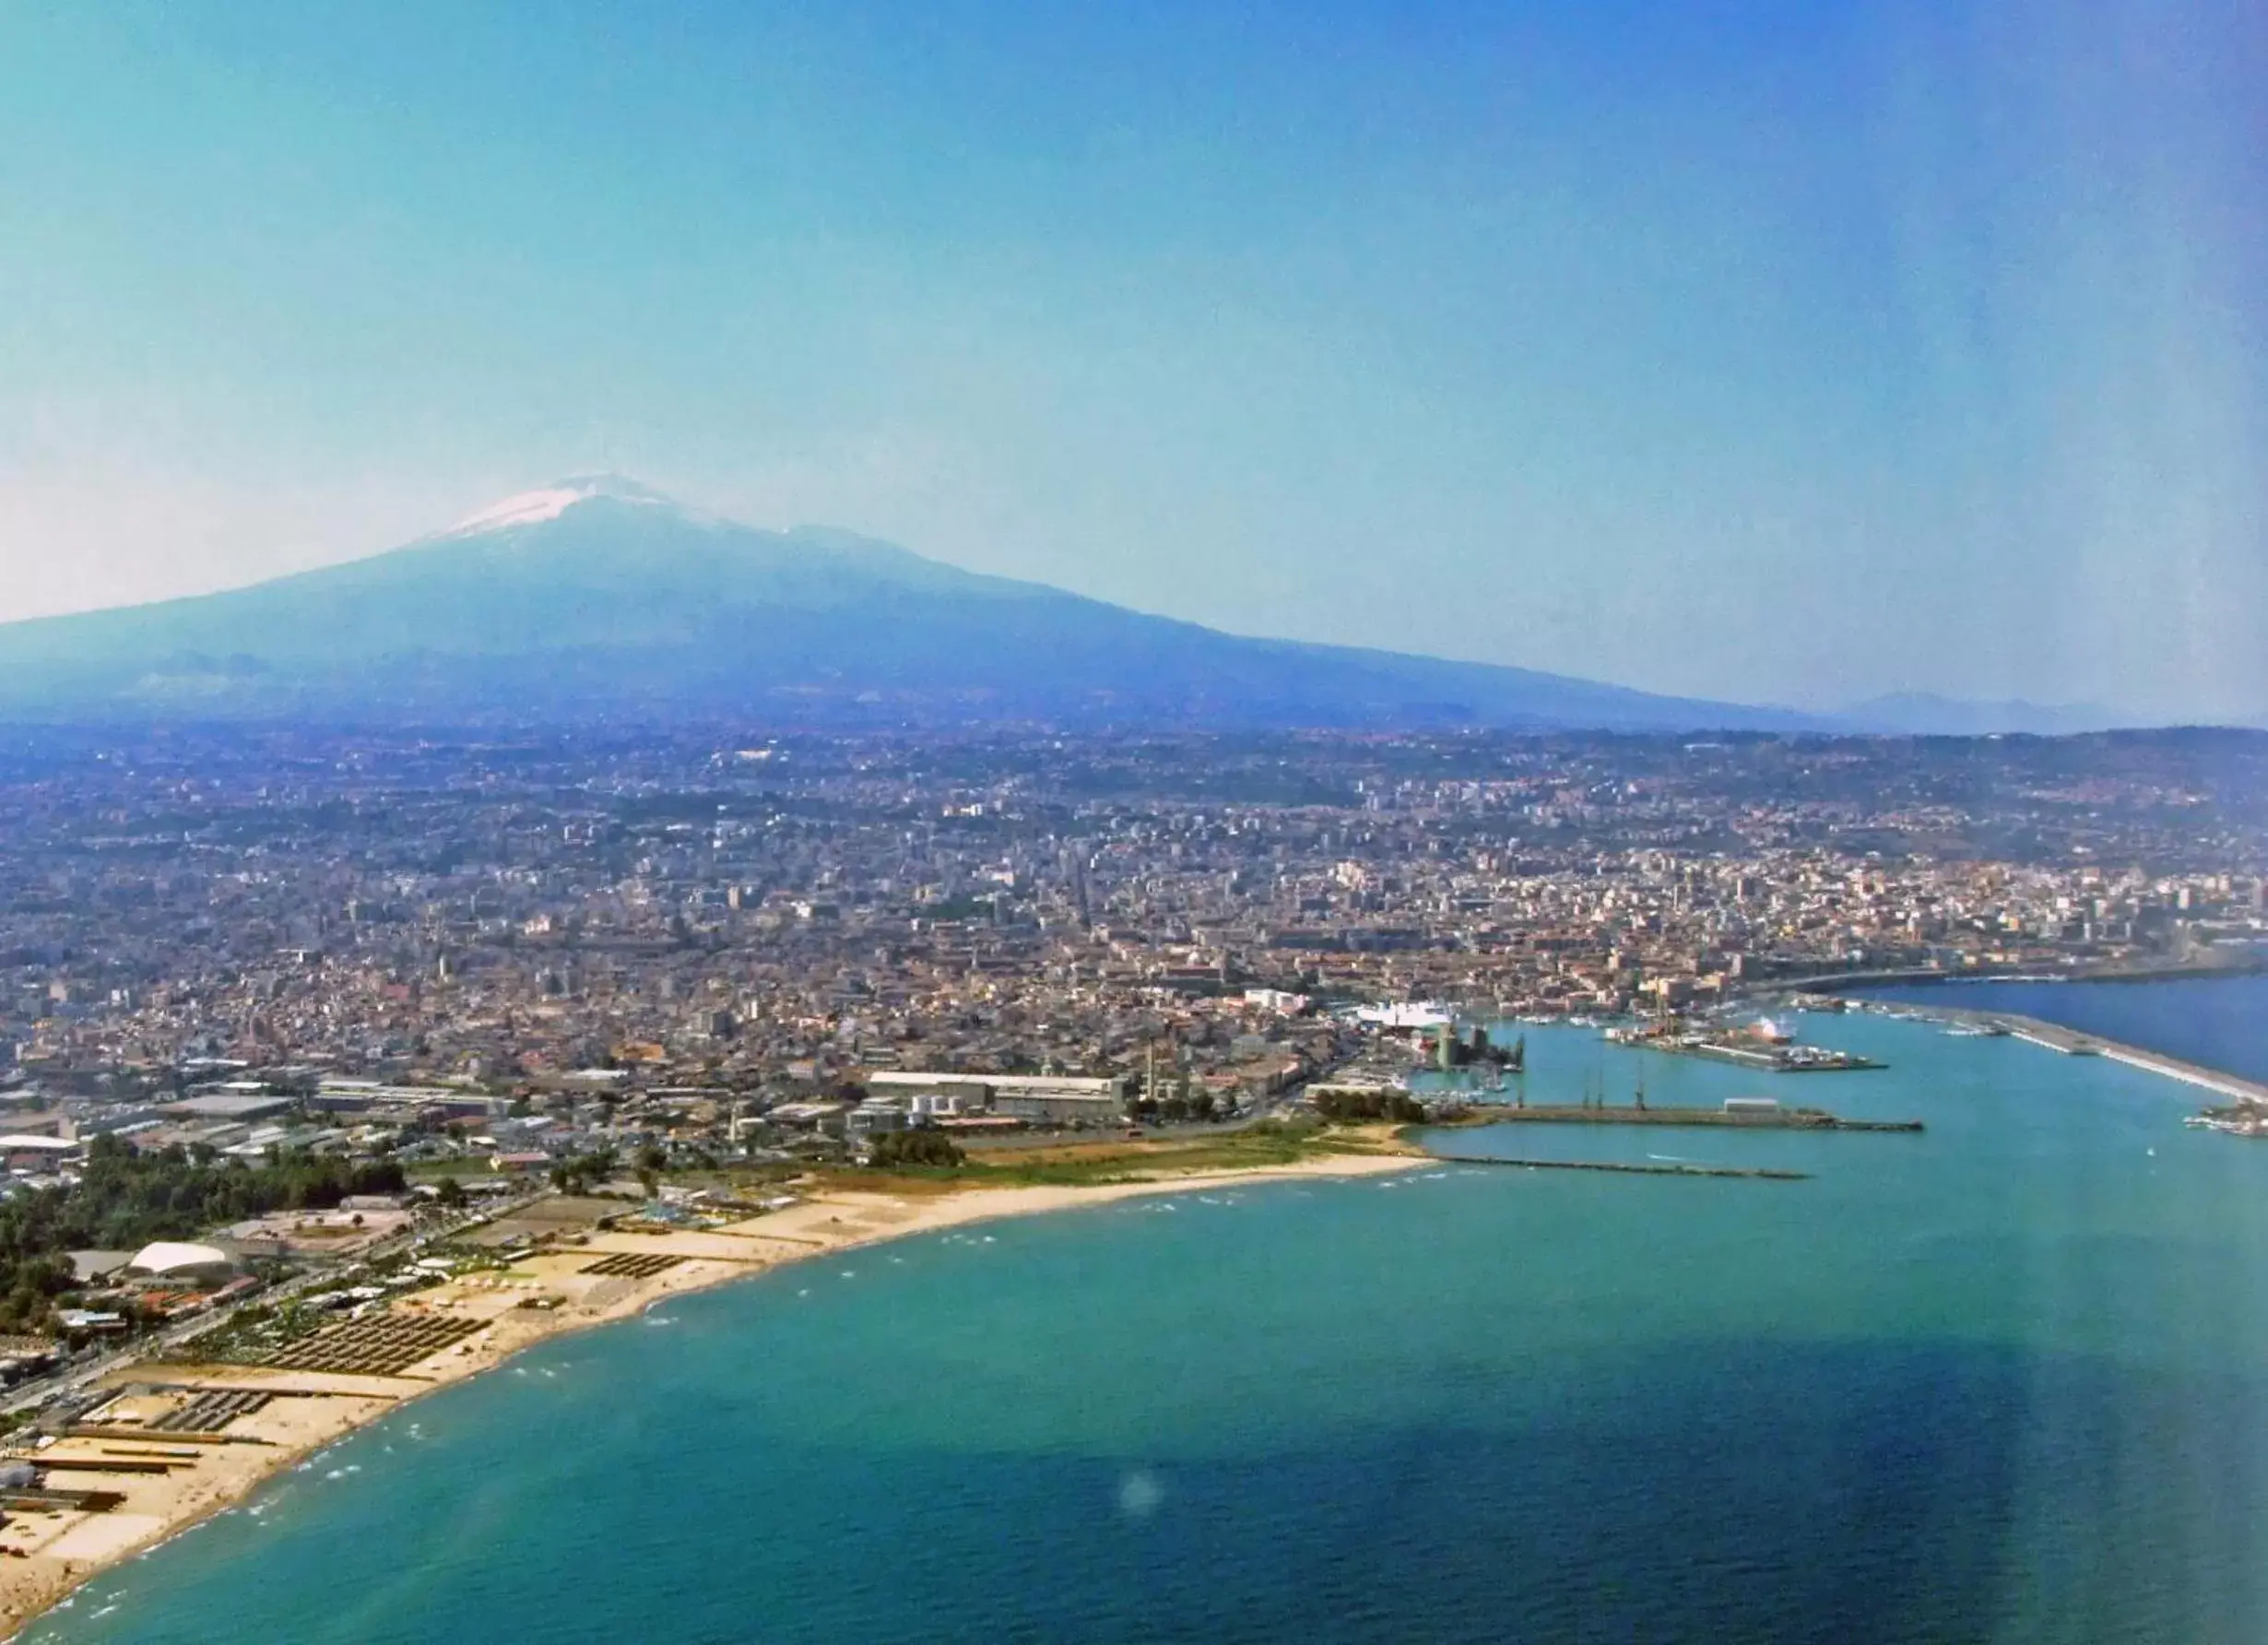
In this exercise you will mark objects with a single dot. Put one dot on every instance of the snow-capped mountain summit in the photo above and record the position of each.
(598, 598)
(548, 502)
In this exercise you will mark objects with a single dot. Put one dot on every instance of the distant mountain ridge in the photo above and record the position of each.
(1925, 714)
(598, 598)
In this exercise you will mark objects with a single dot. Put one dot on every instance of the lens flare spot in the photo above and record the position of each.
(1140, 1493)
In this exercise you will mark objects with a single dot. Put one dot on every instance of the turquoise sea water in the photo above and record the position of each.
(2001, 1382)
(2221, 1022)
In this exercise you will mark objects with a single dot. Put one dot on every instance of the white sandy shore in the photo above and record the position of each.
(64, 1550)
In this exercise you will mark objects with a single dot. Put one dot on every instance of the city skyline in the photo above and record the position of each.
(1815, 354)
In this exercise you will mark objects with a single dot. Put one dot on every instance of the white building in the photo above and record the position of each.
(1054, 1099)
(171, 1260)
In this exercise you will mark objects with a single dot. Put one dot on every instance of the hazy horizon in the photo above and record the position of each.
(1801, 356)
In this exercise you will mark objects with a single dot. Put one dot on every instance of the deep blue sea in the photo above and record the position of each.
(2221, 1022)
(2006, 1381)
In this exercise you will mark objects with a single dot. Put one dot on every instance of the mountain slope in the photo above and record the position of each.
(596, 597)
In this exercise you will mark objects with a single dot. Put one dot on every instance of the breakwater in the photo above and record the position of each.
(1734, 1119)
(2072, 1042)
(1762, 1173)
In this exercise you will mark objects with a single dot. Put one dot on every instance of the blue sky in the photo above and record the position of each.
(1780, 351)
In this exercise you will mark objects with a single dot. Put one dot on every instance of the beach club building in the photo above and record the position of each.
(177, 1262)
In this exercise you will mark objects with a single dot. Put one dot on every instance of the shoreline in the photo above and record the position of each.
(309, 1411)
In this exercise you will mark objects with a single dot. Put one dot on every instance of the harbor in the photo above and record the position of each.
(1774, 1238)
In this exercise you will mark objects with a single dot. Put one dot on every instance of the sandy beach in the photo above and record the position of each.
(169, 1480)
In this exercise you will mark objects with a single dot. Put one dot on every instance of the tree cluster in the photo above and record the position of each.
(1348, 1107)
(579, 1173)
(126, 1199)
(1176, 1106)
(915, 1148)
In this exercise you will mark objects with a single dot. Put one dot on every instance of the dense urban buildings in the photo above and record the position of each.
(516, 949)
